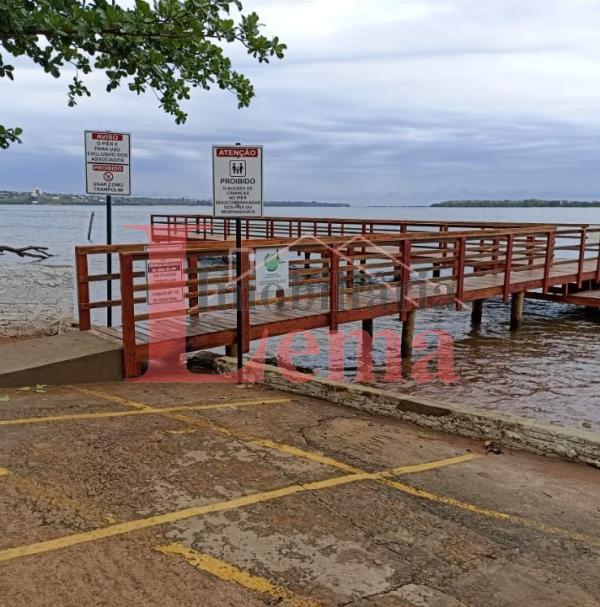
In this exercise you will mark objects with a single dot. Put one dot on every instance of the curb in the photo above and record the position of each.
(510, 431)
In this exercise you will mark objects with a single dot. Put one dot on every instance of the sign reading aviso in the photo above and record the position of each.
(107, 163)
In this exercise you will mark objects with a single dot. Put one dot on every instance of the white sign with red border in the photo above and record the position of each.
(237, 180)
(165, 267)
(107, 161)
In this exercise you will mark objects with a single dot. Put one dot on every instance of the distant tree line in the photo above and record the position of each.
(11, 197)
(530, 202)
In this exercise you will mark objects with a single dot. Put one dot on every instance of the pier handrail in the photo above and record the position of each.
(396, 268)
(442, 241)
(172, 227)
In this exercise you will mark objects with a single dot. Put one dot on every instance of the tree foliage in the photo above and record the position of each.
(167, 46)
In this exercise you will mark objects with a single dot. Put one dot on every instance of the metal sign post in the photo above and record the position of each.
(109, 260)
(238, 297)
(107, 171)
(237, 194)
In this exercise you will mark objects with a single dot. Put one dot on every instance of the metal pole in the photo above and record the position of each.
(238, 278)
(109, 260)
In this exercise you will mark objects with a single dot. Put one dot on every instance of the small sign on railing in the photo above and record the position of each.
(272, 272)
(161, 269)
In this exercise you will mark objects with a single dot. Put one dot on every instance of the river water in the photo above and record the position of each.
(548, 370)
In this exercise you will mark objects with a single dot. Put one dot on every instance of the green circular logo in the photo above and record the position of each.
(271, 263)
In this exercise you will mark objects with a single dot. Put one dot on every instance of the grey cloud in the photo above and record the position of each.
(488, 98)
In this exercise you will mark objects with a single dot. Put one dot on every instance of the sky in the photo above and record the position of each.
(377, 102)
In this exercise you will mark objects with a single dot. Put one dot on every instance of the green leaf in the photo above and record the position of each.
(169, 46)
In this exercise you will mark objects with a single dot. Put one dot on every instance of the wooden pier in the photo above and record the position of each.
(396, 268)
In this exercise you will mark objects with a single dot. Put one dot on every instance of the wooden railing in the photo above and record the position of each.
(333, 280)
(87, 280)
(206, 227)
(434, 253)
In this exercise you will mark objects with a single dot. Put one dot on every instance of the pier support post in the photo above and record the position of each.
(408, 333)
(366, 350)
(367, 326)
(231, 350)
(516, 310)
(477, 312)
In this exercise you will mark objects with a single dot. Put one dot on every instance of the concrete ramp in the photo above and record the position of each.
(77, 357)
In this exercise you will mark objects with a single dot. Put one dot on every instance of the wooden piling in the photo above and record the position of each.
(516, 310)
(477, 312)
(408, 333)
(366, 344)
(91, 226)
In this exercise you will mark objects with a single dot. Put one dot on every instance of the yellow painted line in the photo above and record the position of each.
(256, 498)
(281, 447)
(173, 517)
(440, 463)
(296, 452)
(205, 423)
(148, 411)
(3, 471)
(502, 516)
(233, 575)
(384, 478)
(112, 397)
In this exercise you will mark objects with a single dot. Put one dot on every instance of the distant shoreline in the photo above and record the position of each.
(39, 198)
(522, 204)
(97, 203)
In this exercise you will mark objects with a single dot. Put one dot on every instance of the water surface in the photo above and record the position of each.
(548, 370)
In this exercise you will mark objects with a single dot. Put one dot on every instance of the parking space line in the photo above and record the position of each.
(495, 514)
(231, 574)
(178, 515)
(257, 498)
(206, 423)
(267, 443)
(384, 479)
(140, 411)
(115, 399)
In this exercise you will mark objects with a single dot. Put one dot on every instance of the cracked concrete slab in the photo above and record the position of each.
(496, 531)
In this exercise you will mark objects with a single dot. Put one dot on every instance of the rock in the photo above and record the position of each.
(492, 447)
(202, 361)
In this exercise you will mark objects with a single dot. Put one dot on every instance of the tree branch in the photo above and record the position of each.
(30, 251)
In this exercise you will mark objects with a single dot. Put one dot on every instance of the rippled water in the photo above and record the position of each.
(548, 370)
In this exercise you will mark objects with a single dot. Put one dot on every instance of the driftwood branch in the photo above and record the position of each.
(30, 251)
